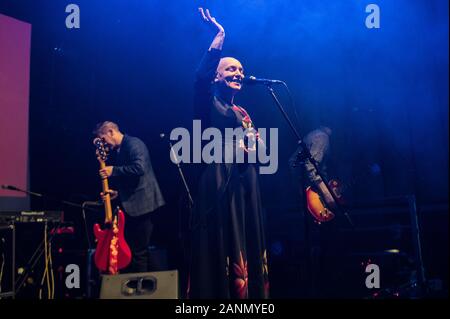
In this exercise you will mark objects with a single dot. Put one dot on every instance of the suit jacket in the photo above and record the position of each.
(135, 180)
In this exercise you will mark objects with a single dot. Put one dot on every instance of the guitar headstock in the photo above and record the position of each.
(102, 149)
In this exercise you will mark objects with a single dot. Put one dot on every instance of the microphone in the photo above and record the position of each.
(253, 80)
(10, 187)
(173, 156)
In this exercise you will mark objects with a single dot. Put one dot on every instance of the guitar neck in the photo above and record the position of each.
(107, 201)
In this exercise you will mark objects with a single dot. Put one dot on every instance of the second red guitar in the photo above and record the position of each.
(112, 252)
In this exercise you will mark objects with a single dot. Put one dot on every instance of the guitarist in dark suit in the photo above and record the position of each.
(137, 189)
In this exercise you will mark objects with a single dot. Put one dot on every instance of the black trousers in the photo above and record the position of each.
(138, 231)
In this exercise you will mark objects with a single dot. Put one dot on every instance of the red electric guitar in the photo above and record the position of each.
(112, 252)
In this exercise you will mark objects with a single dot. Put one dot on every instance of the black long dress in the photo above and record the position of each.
(228, 254)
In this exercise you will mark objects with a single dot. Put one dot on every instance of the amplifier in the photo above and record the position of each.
(31, 217)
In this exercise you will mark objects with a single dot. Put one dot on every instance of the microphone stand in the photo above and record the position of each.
(188, 192)
(40, 249)
(303, 155)
(186, 250)
(180, 171)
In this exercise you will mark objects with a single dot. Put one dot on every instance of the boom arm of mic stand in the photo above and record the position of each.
(307, 153)
(16, 189)
(53, 199)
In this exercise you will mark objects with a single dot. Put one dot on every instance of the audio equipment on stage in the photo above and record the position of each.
(31, 217)
(146, 285)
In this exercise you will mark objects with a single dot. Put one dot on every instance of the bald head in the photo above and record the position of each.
(226, 62)
(229, 74)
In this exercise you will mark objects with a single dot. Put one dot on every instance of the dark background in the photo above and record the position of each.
(384, 92)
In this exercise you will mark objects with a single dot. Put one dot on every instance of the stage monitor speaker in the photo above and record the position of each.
(145, 285)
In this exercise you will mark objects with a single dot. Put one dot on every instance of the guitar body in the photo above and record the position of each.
(109, 258)
(316, 206)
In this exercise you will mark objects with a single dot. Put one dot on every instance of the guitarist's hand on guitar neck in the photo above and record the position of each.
(106, 172)
(112, 193)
